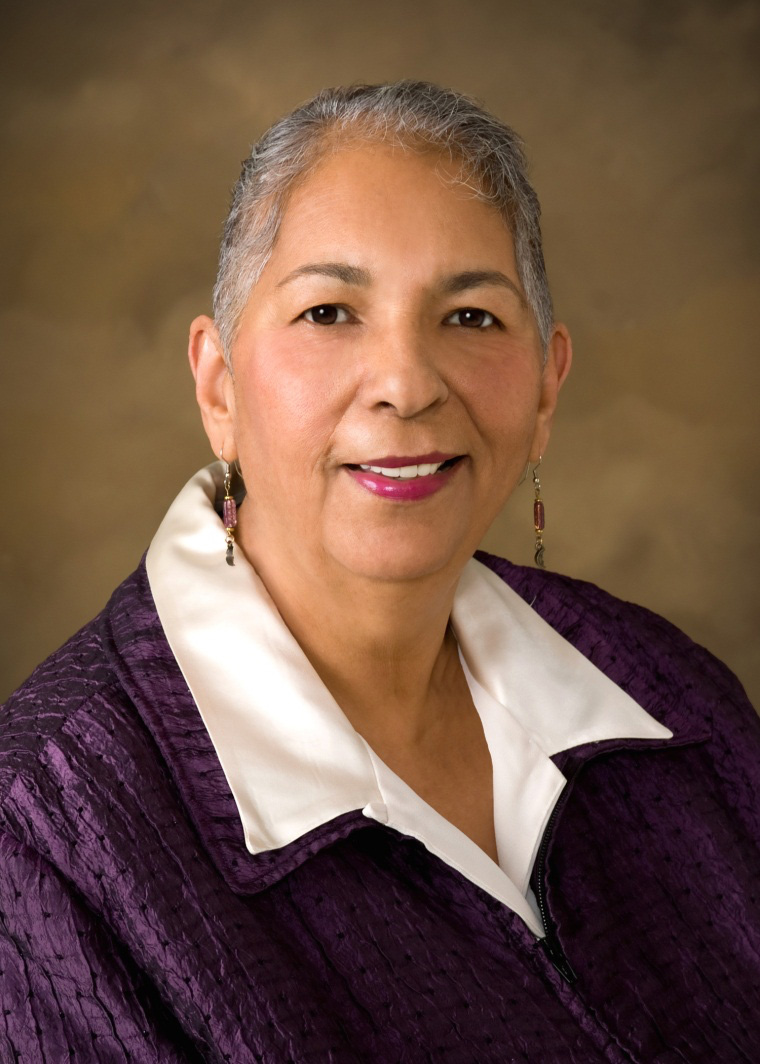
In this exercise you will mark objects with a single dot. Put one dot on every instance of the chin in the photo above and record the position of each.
(385, 557)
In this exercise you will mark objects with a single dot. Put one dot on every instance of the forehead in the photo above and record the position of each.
(374, 195)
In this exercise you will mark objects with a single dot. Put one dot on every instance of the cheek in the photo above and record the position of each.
(282, 413)
(503, 397)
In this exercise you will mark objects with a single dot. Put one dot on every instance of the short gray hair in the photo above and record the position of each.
(408, 113)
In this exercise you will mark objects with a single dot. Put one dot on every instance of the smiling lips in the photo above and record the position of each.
(405, 478)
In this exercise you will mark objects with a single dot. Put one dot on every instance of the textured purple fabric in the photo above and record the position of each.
(134, 925)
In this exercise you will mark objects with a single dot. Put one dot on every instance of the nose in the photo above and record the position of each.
(400, 374)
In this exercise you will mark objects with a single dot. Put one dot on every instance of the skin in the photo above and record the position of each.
(365, 583)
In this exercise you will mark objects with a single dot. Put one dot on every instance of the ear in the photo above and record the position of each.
(213, 386)
(559, 357)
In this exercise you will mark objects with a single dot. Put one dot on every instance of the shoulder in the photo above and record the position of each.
(640, 650)
(79, 682)
(83, 782)
(566, 599)
(586, 614)
(76, 674)
(566, 602)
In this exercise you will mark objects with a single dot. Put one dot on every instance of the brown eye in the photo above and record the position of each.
(472, 318)
(324, 314)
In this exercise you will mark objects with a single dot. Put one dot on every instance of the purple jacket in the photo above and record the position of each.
(134, 924)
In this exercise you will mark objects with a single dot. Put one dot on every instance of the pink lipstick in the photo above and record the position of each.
(412, 485)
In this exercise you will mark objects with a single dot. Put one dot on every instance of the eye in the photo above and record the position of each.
(326, 314)
(472, 318)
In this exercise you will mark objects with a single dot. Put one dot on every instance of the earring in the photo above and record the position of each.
(539, 518)
(229, 512)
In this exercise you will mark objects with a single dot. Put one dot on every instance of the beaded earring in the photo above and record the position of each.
(229, 512)
(539, 518)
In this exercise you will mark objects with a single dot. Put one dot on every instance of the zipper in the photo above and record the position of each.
(550, 942)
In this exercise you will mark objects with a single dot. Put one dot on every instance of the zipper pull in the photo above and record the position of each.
(554, 952)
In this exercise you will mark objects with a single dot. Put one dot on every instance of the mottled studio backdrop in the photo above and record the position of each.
(123, 126)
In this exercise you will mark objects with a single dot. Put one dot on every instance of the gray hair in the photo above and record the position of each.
(413, 114)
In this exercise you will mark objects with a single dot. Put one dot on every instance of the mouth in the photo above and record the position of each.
(408, 468)
(407, 479)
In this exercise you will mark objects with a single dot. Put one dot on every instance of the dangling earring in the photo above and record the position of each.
(229, 512)
(539, 518)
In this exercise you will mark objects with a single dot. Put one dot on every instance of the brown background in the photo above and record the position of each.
(123, 126)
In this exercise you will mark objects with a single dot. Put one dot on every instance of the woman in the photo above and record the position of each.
(319, 785)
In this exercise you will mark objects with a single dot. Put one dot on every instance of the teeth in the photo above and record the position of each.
(404, 472)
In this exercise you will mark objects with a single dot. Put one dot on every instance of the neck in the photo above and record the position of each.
(383, 648)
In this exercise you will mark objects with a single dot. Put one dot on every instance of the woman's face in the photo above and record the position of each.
(388, 329)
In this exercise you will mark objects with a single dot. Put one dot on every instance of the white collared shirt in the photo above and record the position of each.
(292, 759)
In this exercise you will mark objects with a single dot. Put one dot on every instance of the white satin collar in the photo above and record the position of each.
(292, 759)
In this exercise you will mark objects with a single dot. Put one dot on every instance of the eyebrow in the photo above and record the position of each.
(459, 282)
(450, 285)
(341, 271)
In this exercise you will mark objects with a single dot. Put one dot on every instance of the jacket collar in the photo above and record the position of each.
(645, 655)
